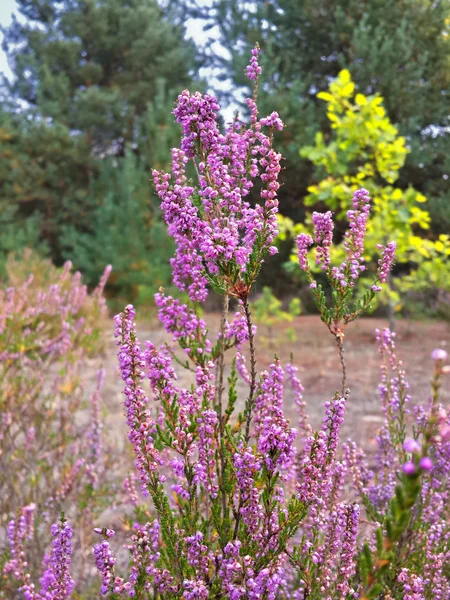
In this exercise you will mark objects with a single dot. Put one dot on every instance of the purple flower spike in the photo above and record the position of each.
(303, 241)
(385, 262)
(56, 581)
(105, 561)
(323, 232)
(214, 225)
(354, 240)
(253, 69)
(141, 426)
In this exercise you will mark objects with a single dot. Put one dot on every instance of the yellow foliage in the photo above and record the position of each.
(325, 96)
(344, 76)
(366, 150)
(66, 387)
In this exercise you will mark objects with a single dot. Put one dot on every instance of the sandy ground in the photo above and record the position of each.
(316, 357)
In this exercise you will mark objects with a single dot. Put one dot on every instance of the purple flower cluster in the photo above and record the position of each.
(276, 440)
(205, 468)
(347, 565)
(144, 549)
(237, 330)
(105, 561)
(214, 226)
(141, 426)
(241, 366)
(56, 581)
(437, 555)
(254, 70)
(247, 465)
(197, 553)
(351, 268)
(270, 394)
(315, 474)
(19, 530)
(346, 274)
(323, 236)
(303, 241)
(413, 585)
(182, 322)
(386, 260)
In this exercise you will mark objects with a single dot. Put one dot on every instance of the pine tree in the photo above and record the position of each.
(85, 73)
(94, 65)
(124, 232)
(17, 230)
(125, 228)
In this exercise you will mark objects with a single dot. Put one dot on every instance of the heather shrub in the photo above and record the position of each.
(51, 418)
(229, 499)
(244, 505)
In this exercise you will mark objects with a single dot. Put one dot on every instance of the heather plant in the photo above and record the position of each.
(406, 495)
(234, 502)
(243, 505)
(51, 419)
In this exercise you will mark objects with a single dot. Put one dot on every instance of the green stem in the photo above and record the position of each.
(250, 399)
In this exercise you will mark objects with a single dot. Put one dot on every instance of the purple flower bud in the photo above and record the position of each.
(439, 354)
(426, 463)
(411, 446)
(409, 468)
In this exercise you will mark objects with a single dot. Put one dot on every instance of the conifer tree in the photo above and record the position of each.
(85, 73)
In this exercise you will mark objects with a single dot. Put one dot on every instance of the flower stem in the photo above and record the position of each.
(340, 345)
(220, 367)
(250, 399)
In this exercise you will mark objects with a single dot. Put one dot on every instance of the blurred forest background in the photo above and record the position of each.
(86, 115)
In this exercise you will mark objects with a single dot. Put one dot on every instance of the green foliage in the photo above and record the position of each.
(125, 230)
(95, 66)
(14, 239)
(268, 311)
(43, 173)
(400, 49)
(365, 150)
(89, 83)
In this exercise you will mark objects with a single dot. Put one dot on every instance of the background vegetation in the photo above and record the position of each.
(87, 114)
